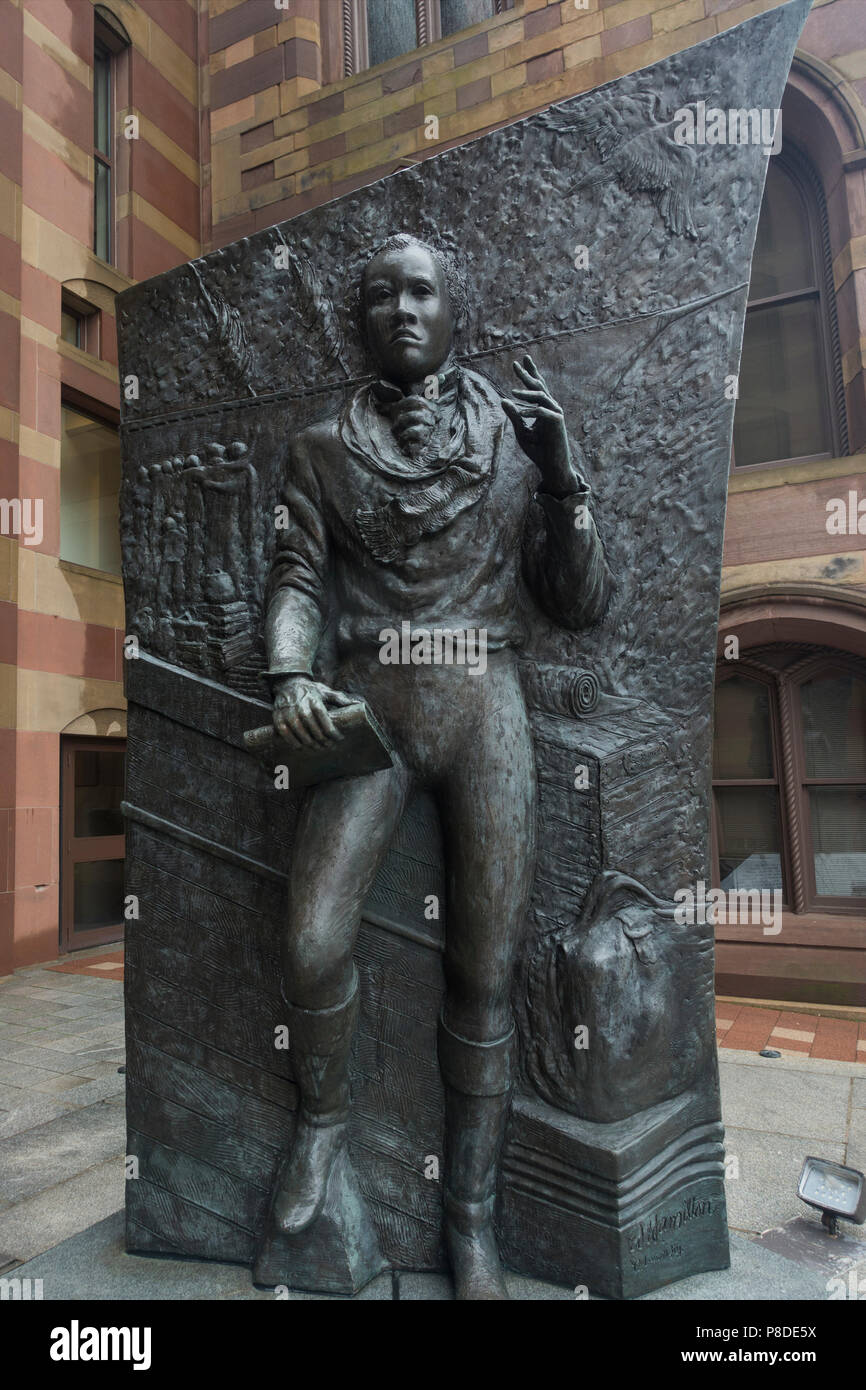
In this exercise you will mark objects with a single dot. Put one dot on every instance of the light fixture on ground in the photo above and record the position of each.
(834, 1191)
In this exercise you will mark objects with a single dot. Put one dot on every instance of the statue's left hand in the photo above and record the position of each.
(539, 425)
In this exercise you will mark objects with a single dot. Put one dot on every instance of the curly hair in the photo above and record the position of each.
(455, 281)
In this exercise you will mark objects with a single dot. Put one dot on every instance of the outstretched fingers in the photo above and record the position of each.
(529, 374)
(538, 398)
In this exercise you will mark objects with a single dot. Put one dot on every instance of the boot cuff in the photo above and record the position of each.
(469, 1218)
(323, 1031)
(474, 1068)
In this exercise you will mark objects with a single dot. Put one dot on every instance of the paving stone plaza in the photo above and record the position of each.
(62, 1162)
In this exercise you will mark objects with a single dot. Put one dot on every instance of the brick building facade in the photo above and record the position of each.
(249, 111)
(61, 603)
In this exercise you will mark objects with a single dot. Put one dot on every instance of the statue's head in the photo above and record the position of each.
(411, 298)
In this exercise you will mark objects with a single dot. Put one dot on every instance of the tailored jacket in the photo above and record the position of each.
(440, 536)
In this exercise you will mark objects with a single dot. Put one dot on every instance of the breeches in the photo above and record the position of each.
(465, 737)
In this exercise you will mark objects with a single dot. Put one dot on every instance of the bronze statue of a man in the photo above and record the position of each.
(423, 510)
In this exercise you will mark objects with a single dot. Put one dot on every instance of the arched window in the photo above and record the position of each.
(110, 39)
(791, 393)
(376, 30)
(789, 776)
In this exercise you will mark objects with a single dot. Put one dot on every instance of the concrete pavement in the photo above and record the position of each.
(62, 1179)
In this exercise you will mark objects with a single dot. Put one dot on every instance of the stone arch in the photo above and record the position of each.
(828, 615)
(99, 723)
(824, 118)
(97, 293)
(824, 113)
(111, 30)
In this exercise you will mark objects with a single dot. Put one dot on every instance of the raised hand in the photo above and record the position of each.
(539, 426)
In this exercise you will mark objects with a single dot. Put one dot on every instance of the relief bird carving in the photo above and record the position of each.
(231, 342)
(312, 305)
(635, 145)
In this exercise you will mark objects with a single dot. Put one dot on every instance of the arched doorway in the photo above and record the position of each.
(92, 755)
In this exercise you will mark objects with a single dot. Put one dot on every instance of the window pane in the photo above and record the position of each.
(390, 29)
(102, 210)
(102, 101)
(747, 820)
(98, 793)
(459, 14)
(839, 840)
(783, 248)
(89, 488)
(834, 725)
(742, 745)
(70, 327)
(782, 411)
(98, 894)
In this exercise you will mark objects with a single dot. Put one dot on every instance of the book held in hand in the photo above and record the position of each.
(363, 748)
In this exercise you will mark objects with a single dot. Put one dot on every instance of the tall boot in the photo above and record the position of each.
(321, 1043)
(477, 1080)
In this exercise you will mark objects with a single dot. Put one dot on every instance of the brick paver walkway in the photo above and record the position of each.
(107, 967)
(750, 1028)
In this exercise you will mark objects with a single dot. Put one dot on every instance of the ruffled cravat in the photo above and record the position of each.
(456, 461)
(390, 401)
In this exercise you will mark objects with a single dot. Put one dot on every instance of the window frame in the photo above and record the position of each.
(823, 292)
(102, 414)
(110, 42)
(80, 325)
(428, 29)
(799, 890)
(820, 665)
(762, 676)
(104, 159)
(89, 320)
(76, 849)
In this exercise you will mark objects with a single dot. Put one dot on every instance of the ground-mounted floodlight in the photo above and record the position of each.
(834, 1191)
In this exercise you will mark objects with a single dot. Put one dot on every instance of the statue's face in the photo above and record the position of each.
(408, 314)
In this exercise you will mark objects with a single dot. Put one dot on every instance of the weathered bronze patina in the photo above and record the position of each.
(415, 998)
(421, 502)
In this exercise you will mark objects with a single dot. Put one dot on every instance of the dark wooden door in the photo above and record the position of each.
(92, 841)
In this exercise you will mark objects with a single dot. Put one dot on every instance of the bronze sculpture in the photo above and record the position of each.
(611, 1173)
(424, 507)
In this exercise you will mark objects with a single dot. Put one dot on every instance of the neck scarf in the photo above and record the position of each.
(456, 464)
